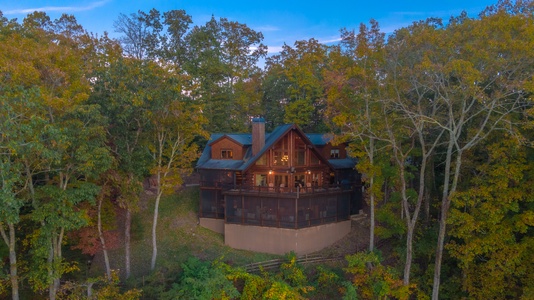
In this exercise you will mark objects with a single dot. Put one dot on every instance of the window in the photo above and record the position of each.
(262, 161)
(227, 154)
(299, 152)
(280, 180)
(261, 179)
(281, 158)
(334, 153)
(281, 153)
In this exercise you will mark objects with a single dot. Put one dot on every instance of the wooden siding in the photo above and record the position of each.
(227, 144)
(328, 147)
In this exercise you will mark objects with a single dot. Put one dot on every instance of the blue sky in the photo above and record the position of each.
(279, 21)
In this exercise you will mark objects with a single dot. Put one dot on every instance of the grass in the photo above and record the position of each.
(178, 237)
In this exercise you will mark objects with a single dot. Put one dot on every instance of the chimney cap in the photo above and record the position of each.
(258, 120)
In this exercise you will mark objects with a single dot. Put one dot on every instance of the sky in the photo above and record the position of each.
(279, 21)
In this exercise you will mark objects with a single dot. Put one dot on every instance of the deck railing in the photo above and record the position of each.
(245, 188)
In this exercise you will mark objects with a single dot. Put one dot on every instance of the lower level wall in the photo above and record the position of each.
(280, 240)
(216, 225)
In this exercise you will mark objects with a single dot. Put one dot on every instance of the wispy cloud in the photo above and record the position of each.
(267, 28)
(274, 49)
(63, 9)
(436, 13)
(330, 40)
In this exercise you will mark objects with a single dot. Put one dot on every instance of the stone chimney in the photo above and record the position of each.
(258, 135)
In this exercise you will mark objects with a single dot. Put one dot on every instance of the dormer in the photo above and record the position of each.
(227, 147)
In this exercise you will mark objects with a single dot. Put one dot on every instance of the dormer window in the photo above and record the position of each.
(334, 153)
(227, 154)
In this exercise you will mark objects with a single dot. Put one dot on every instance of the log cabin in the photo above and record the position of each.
(278, 192)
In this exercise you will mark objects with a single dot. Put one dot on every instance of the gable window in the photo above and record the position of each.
(299, 152)
(334, 153)
(227, 154)
(281, 153)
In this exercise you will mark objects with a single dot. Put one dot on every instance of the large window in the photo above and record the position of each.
(227, 154)
(261, 180)
(281, 152)
(281, 158)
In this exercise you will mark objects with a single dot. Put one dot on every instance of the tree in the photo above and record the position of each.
(353, 89)
(490, 219)
(459, 78)
(120, 90)
(412, 134)
(372, 280)
(59, 139)
(274, 89)
(175, 123)
(300, 71)
(219, 61)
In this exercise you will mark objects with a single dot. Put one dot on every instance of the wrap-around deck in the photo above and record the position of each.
(283, 207)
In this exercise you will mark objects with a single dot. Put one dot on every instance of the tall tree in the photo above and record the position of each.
(120, 89)
(175, 122)
(302, 67)
(222, 56)
(353, 88)
(59, 132)
(490, 222)
(408, 115)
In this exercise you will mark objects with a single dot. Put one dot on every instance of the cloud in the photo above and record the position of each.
(267, 28)
(63, 9)
(274, 49)
(330, 40)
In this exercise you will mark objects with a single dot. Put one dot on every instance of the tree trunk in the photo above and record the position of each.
(127, 238)
(102, 240)
(154, 226)
(13, 263)
(371, 216)
(409, 254)
(52, 286)
(10, 242)
(443, 217)
(371, 197)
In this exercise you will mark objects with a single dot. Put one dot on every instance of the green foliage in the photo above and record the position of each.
(373, 280)
(291, 272)
(97, 288)
(294, 84)
(329, 283)
(491, 221)
(202, 280)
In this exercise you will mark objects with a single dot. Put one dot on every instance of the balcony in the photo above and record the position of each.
(281, 191)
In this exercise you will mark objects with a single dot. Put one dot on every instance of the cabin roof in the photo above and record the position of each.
(245, 139)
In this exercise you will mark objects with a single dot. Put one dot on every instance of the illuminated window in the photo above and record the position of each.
(261, 179)
(227, 154)
(334, 153)
(281, 158)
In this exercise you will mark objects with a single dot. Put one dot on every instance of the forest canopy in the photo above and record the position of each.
(438, 113)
